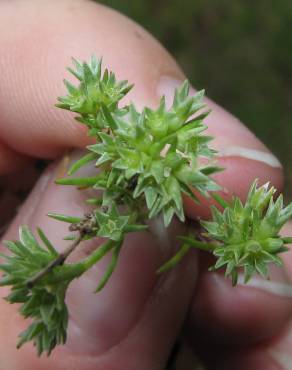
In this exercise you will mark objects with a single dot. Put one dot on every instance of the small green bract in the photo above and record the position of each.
(143, 164)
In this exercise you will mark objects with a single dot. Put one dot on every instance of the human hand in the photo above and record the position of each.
(134, 322)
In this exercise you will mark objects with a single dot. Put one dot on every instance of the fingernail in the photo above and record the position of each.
(253, 154)
(231, 137)
(280, 289)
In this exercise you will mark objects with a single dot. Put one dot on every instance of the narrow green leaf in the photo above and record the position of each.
(111, 268)
(71, 88)
(26, 237)
(98, 254)
(79, 181)
(211, 169)
(168, 213)
(81, 162)
(94, 201)
(223, 203)
(47, 243)
(64, 218)
(109, 118)
(175, 259)
(8, 280)
(248, 272)
(150, 195)
(69, 237)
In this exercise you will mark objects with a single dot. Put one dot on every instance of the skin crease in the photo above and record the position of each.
(31, 126)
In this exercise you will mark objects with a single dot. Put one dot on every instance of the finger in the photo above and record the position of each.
(118, 325)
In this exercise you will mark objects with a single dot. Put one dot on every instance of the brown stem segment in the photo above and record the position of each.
(56, 262)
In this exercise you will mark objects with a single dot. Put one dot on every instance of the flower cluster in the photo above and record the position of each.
(248, 235)
(155, 154)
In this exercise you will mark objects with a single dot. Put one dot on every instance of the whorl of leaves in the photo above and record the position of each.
(248, 234)
(96, 89)
(44, 304)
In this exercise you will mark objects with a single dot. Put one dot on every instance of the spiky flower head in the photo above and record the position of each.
(248, 234)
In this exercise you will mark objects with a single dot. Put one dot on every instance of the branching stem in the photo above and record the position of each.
(59, 260)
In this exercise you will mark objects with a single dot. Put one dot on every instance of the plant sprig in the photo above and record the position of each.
(143, 163)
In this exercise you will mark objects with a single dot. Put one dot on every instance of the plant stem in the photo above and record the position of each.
(175, 259)
(98, 254)
(59, 260)
(72, 271)
(111, 267)
(209, 247)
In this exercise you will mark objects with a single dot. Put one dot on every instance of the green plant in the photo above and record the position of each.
(145, 162)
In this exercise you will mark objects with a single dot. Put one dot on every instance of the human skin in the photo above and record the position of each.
(133, 323)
